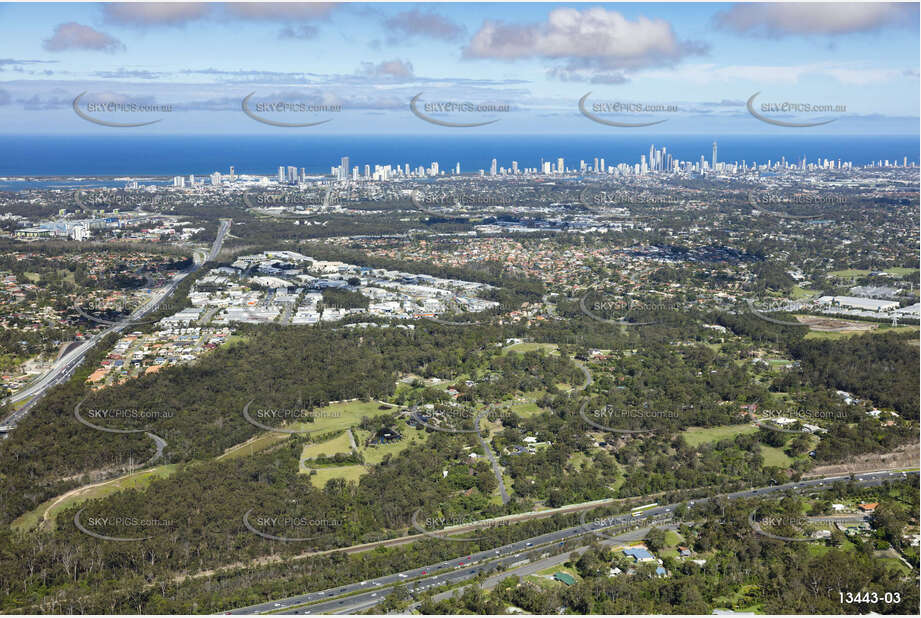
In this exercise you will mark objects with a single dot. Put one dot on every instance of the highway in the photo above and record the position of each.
(64, 367)
(368, 593)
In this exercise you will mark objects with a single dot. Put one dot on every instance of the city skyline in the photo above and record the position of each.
(659, 161)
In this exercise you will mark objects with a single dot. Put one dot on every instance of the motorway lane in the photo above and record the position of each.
(531, 568)
(65, 366)
(459, 569)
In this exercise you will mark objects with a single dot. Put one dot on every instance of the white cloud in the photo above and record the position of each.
(813, 18)
(593, 38)
(154, 13)
(72, 35)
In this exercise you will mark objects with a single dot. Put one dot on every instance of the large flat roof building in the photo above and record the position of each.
(853, 302)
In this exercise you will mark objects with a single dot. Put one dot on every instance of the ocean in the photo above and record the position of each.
(138, 155)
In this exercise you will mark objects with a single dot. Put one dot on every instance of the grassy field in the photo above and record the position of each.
(672, 541)
(559, 569)
(854, 272)
(521, 348)
(256, 444)
(137, 480)
(849, 272)
(799, 293)
(527, 406)
(375, 454)
(883, 328)
(348, 473)
(774, 456)
(341, 416)
(578, 460)
(695, 436)
(339, 444)
(330, 418)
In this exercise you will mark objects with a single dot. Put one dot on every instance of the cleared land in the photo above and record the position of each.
(774, 456)
(339, 444)
(347, 473)
(881, 328)
(695, 436)
(826, 324)
(521, 348)
(46, 512)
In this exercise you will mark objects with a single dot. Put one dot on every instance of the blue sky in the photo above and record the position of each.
(535, 60)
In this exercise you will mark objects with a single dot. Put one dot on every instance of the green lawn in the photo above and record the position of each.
(551, 348)
(341, 416)
(254, 445)
(375, 454)
(578, 460)
(855, 272)
(799, 293)
(695, 436)
(672, 541)
(774, 456)
(901, 272)
(559, 569)
(527, 407)
(339, 444)
(349, 473)
(850, 272)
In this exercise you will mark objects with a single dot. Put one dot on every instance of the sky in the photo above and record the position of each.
(689, 67)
